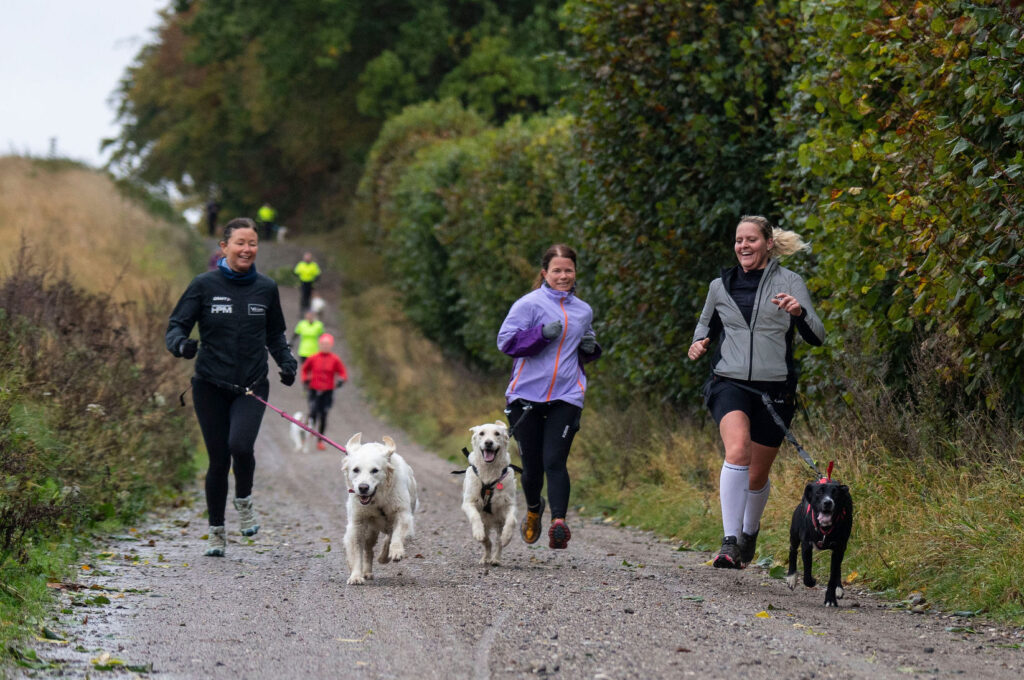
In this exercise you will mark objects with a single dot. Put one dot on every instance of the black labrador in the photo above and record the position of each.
(822, 520)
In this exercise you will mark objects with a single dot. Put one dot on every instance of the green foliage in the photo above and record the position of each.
(906, 125)
(252, 101)
(674, 138)
(465, 220)
(401, 137)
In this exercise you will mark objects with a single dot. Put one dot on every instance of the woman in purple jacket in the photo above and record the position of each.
(549, 333)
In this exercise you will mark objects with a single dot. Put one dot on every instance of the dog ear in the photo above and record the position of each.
(389, 443)
(502, 424)
(355, 441)
(809, 491)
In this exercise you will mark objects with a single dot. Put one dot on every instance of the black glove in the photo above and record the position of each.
(340, 383)
(551, 330)
(188, 347)
(287, 378)
(589, 342)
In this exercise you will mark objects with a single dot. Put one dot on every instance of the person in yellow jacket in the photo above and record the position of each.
(266, 216)
(308, 332)
(308, 272)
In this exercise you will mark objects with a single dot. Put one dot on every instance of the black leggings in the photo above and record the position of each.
(320, 402)
(230, 423)
(305, 295)
(545, 435)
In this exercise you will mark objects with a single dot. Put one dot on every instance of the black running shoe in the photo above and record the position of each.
(748, 542)
(729, 556)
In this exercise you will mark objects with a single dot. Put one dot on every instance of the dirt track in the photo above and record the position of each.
(617, 604)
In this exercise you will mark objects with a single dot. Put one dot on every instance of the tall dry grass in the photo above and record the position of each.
(74, 217)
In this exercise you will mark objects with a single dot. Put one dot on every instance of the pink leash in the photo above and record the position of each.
(293, 420)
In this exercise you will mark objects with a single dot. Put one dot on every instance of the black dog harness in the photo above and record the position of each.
(487, 489)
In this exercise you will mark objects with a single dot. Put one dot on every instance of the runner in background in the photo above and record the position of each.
(308, 272)
(322, 373)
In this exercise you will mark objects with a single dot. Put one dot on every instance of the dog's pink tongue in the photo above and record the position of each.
(824, 518)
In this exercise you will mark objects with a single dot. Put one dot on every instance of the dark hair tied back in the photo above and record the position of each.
(557, 250)
(238, 223)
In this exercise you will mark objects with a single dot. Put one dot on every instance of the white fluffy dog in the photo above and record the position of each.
(298, 435)
(489, 491)
(382, 499)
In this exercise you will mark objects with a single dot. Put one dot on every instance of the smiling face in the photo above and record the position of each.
(560, 274)
(491, 442)
(751, 247)
(240, 249)
(367, 467)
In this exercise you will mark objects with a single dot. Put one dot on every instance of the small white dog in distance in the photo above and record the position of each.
(298, 435)
(489, 490)
(382, 500)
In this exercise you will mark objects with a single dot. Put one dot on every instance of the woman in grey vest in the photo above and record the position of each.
(751, 314)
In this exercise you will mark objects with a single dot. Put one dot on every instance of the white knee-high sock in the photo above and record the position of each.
(756, 502)
(733, 485)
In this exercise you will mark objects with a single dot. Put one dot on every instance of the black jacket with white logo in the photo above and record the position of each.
(239, 320)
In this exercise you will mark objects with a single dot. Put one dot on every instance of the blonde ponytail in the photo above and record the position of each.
(787, 242)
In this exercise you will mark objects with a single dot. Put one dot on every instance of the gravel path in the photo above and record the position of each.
(618, 603)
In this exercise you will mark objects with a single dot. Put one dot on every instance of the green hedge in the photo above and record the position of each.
(888, 134)
(905, 126)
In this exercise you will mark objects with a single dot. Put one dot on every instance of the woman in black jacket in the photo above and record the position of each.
(239, 315)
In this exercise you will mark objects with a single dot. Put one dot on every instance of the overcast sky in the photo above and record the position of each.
(60, 61)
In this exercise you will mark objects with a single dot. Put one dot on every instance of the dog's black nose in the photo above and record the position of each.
(827, 504)
(363, 488)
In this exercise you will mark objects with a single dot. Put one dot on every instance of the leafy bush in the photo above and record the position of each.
(906, 123)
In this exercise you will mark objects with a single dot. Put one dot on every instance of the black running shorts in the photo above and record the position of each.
(723, 395)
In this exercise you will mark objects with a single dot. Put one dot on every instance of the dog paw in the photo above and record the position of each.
(494, 561)
(810, 582)
(479, 534)
(356, 580)
(839, 592)
(486, 559)
(791, 581)
(397, 553)
(507, 535)
(830, 600)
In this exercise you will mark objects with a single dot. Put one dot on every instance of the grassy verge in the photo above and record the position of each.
(90, 432)
(945, 519)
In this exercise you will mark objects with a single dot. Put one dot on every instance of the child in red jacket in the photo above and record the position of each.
(322, 373)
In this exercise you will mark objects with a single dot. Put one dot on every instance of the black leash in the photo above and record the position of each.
(767, 401)
(527, 407)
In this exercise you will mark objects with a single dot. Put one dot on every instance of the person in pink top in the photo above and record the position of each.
(549, 333)
(322, 373)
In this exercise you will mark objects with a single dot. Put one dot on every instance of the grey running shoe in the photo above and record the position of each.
(246, 516)
(748, 542)
(216, 542)
(729, 556)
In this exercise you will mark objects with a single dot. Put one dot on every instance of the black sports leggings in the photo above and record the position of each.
(545, 435)
(320, 402)
(230, 423)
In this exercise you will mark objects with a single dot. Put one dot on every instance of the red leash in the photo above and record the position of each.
(293, 420)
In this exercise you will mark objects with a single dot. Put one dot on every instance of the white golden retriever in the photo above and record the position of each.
(382, 499)
(489, 491)
(298, 435)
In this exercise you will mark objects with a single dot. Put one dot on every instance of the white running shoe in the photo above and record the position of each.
(216, 542)
(246, 516)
